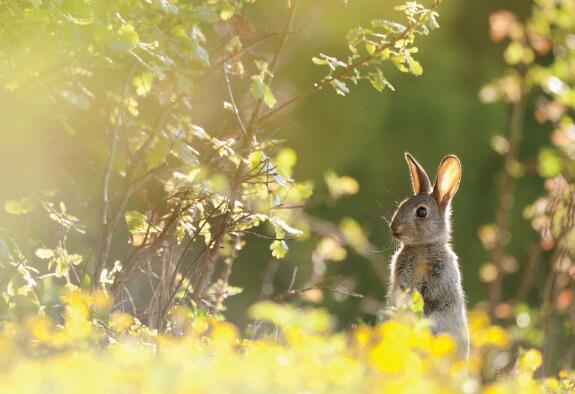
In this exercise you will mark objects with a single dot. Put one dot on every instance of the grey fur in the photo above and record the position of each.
(425, 260)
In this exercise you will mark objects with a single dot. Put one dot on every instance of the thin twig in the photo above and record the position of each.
(232, 100)
(108, 229)
(256, 115)
(290, 293)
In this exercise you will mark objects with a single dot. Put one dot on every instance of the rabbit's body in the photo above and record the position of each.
(425, 260)
(432, 270)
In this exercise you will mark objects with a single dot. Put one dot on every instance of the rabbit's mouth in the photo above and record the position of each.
(398, 232)
(401, 237)
(404, 239)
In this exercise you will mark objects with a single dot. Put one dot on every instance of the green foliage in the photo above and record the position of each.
(20, 207)
(539, 55)
(186, 192)
(259, 88)
(383, 41)
(340, 186)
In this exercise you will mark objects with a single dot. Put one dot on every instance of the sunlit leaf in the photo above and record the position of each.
(44, 253)
(340, 186)
(143, 83)
(279, 249)
(416, 302)
(20, 207)
(157, 154)
(261, 90)
(137, 222)
(340, 87)
(549, 163)
(186, 153)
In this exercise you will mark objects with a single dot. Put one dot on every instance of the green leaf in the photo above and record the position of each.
(318, 61)
(303, 190)
(206, 233)
(518, 53)
(399, 61)
(20, 207)
(261, 90)
(354, 234)
(414, 66)
(431, 21)
(137, 222)
(269, 98)
(200, 54)
(355, 36)
(227, 11)
(340, 186)
(286, 227)
(416, 302)
(548, 163)
(234, 45)
(279, 249)
(158, 152)
(370, 47)
(129, 34)
(388, 25)
(379, 82)
(75, 259)
(143, 83)
(179, 31)
(186, 153)
(199, 132)
(44, 254)
(340, 87)
(286, 159)
(168, 6)
(254, 159)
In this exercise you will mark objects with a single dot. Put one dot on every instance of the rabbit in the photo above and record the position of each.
(425, 260)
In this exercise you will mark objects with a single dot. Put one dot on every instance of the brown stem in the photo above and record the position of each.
(529, 273)
(107, 229)
(108, 226)
(290, 293)
(506, 183)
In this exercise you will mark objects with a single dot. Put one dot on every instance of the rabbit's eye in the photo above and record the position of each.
(421, 212)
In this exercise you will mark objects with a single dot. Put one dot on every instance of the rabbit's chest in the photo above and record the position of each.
(415, 272)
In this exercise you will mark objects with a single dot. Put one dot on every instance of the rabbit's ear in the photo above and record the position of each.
(419, 179)
(447, 180)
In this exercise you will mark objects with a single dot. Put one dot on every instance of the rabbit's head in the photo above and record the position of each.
(424, 217)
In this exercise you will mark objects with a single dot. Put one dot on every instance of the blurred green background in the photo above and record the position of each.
(362, 135)
(365, 134)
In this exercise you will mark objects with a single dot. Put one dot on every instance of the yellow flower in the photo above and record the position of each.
(442, 345)
(530, 360)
